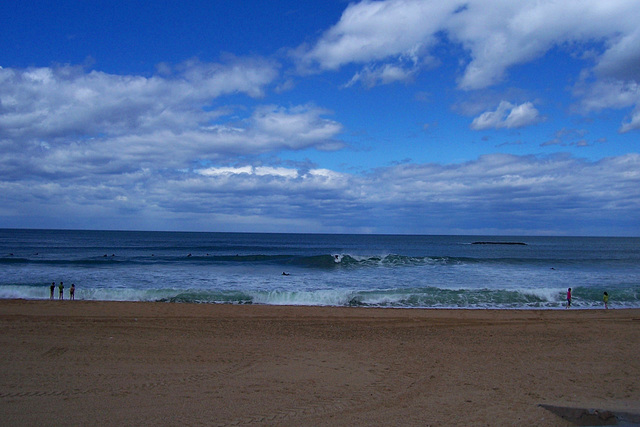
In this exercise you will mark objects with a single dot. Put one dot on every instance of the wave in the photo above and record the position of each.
(427, 297)
(323, 261)
(313, 261)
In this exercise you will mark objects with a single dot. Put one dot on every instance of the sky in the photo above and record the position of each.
(322, 116)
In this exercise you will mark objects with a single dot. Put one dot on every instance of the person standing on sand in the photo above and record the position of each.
(61, 287)
(605, 298)
(52, 288)
(72, 291)
(568, 297)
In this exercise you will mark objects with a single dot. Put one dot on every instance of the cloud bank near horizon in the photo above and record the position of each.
(496, 194)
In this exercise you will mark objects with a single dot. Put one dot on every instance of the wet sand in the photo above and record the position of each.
(125, 363)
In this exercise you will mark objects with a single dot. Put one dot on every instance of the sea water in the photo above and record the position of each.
(320, 269)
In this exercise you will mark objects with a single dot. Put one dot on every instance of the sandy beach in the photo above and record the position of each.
(128, 363)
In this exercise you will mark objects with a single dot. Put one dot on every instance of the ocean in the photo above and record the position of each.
(402, 271)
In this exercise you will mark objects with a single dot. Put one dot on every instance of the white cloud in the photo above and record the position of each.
(608, 94)
(274, 172)
(250, 170)
(67, 120)
(225, 171)
(633, 123)
(385, 74)
(500, 34)
(611, 94)
(376, 30)
(296, 128)
(67, 101)
(393, 40)
(622, 60)
(496, 34)
(507, 116)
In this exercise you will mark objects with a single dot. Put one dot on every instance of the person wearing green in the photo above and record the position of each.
(605, 298)
(61, 287)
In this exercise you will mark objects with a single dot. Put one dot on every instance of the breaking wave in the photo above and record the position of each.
(427, 297)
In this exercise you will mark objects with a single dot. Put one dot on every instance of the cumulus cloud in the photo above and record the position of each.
(67, 101)
(609, 93)
(496, 34)
(393, 40)
(66, 120)
(379, 30)
(298, 127)
(507, 116)
(501, 34)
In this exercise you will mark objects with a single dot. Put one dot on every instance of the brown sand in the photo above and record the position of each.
(106, 363)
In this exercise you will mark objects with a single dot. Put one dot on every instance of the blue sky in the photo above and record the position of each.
(396, 116)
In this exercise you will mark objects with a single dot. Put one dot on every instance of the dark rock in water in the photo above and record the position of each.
(499, 243)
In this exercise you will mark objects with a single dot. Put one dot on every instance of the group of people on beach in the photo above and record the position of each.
(605, 299)
(72, 291)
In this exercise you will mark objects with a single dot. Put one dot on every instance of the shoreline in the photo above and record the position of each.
(154, 363)
(561, 305)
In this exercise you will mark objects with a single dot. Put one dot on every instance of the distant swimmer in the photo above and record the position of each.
(285, 274)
